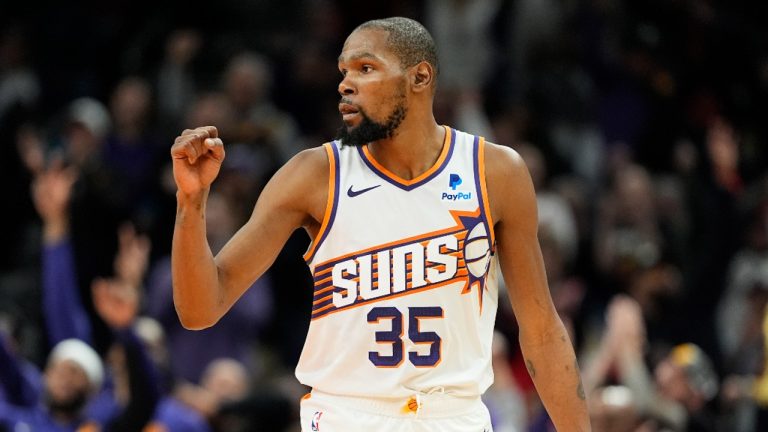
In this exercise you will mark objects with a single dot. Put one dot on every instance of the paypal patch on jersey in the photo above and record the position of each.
(454, 180)
(456, 196)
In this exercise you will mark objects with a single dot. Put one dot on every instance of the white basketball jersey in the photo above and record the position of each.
(403, 298)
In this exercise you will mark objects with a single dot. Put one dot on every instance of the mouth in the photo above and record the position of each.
(348, 111)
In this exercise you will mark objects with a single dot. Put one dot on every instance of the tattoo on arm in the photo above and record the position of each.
(580, 387)
(531, 369)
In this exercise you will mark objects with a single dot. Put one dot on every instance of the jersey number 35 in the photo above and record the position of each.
(395, 336)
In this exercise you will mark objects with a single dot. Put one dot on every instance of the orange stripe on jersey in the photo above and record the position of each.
(362, 302)
(329, 203)
(324, 308)
(326, 289)
(322, 272)
(484, 191)
(320, 300)
(425, 174)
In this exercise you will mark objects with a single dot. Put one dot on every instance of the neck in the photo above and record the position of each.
(413, 148)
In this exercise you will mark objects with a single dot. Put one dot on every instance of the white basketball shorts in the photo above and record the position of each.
(437, 412)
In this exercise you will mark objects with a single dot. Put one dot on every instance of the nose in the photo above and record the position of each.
(345, 88)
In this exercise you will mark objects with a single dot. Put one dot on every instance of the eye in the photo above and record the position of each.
(366, 68)
(343, 72)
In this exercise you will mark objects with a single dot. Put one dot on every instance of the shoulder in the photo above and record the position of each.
(310, 161)
(301, 184)
(304, 169)
(502, 161)
(508, 181)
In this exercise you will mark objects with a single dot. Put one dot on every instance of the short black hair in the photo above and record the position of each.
(408, 39)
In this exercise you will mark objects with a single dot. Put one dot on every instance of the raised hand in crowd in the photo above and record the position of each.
(132, 256)
(51, 194)
(117, 300)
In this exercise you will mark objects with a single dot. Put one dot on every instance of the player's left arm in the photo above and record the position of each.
(545, 343)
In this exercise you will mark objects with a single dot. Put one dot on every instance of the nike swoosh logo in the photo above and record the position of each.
(353, 193)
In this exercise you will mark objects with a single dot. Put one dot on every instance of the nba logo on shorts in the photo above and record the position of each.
(316, 421)
(454, 181)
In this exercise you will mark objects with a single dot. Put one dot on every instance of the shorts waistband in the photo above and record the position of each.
(419, 405)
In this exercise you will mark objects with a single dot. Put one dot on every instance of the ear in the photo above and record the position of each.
(422, 77)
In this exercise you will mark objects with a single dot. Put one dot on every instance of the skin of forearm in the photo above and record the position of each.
(196, 289)
(552, 365)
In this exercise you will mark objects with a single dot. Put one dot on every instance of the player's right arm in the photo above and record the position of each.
(204, 287)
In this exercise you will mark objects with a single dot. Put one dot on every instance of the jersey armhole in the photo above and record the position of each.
(331, 203)
(483, 189)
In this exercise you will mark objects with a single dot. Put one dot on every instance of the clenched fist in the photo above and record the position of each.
(197, 156)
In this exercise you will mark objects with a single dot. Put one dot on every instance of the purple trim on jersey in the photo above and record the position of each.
(478, 186)
(474, 260)
(337, 175)
(415, 185)
(326, 302)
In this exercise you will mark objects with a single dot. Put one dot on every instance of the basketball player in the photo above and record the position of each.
(408, 220)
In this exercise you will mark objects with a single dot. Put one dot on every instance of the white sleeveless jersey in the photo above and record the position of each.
(403, 298)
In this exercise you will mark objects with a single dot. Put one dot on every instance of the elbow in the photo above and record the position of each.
(195, 321)
(195, 325)
(194, 314)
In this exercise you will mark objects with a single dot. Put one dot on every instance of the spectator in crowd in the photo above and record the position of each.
(741, 319)
(176, 86)
(259, 123)
(675, 395)
(115, 301)
(131, 152)
(235, 335)
(72, 377)
(627, 236)
(224, 380)
(463, 26)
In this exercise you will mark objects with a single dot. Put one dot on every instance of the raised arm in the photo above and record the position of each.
(65, 315)
(545, 343)
(18, 388)
(204, 287)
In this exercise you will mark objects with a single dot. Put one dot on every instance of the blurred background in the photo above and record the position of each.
(643, 124)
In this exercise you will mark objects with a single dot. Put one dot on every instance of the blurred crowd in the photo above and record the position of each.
(640, 122)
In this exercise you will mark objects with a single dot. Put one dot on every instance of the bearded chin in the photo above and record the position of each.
(369, 131)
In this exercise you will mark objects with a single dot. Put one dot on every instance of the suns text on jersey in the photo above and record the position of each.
(390, 271)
